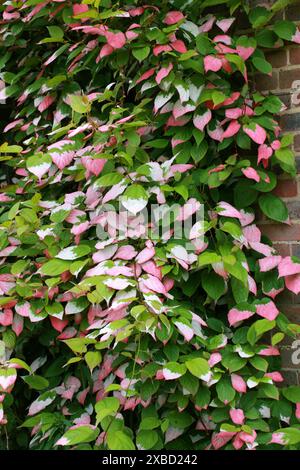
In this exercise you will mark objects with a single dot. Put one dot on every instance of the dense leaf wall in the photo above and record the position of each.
(129, 337)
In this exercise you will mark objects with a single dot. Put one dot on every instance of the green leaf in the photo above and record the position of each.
(110, 179)
(286, 158)
(258, 328)
(240, 291)
(36, 382)
(79, 435)
(262, 65)
(146, 440)
(80, 104)
(285, 29)
(212, 3)
(93, 359)
(106, 407)
(74, 252)
(6, 148)
(198, 367)
(225, 391)
(135, 198)
(203, 44)
(213, 285)
(78, 345)
(292, 393)
(119, 441)
(147, 424)
(208, 257)
(55, 267)
(259, 363)
(259, 16)
(39, 164)
(290, 436)
(277, 338)
(141, 53)
(270, 390)
(273, 207)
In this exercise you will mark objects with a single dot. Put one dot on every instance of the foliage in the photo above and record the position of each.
(134, 342)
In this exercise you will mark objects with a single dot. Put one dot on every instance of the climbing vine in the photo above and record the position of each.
(120, 122)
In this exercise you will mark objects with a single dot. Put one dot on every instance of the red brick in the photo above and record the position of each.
(285, 298)
(265, 82)
(286, 99)
(282, 249)
(286, 188)
(298, 164)
(292, 312)
(287, 77)
(295, 55)
(297, 143)
(287, 357)
(295, 249)
(290, 377)
(281, 232)
(290, 122)
(277, 58)
(293, 12)
(294, 209)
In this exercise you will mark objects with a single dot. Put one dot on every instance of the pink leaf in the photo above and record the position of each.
(18, 324)
(173, 17)
(117, 283)
(251, 173)
(264, 153)
(214, 359)
(146, 75)
(297, 412)
(292, 283)
(225, 24)
(238, 383)
(275, 376)
(115, 40)
(233, 113)
(201, 120)
(161, 48)
(78, 8)
(163, 73)
(180, 109)
(63, 159)
(268, 310)
(237, 415)
(269, 351)
(258, 135)
(45, 103)
(106, 50)
(244, 52)
(6, 317)
(227, 210)
(186, 331)
(94, 165)
(212, 63)
(154, 284)
(179, 46)
(232, 129)
(288, 267)
(145, 255)
(188, 209)
(220, 439)
(278, 438)
(235, 315)
(126, 252)
(268, 263)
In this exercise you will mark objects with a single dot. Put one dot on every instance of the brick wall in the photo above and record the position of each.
(285, 83)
